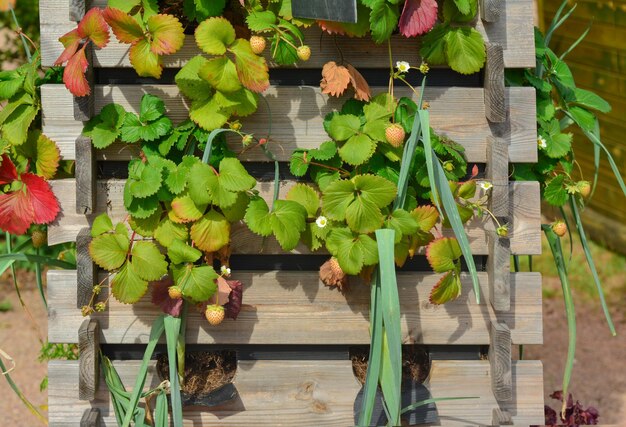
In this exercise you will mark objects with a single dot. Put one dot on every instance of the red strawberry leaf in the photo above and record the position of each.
(16, 212)
(125, 27)
(235, 300)
(71, 42)
(167, 34)
(418, 17)
(8, 173)
(447, 288)
(44, 204)
(74, 74)
(94, 27)
(161, 297)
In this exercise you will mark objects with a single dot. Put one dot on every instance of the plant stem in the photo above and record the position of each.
(19, 394)
(19, 31)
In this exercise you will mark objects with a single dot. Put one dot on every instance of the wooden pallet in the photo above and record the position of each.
(496, 125)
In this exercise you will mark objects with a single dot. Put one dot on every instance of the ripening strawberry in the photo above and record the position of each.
(174, 292)
(39, 238)
(395, 134)
(304, 52)
(257, 43)
(585, 188)
(214, 314)
(559, 228)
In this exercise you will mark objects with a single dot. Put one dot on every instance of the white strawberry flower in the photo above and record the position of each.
(403, 66)
(321, 221)
(541, 142)
(225, 271)
(486, 185)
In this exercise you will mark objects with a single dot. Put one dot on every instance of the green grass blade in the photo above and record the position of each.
(592, 265)
(181, 345)
(405, 164)
(39, 281)
(516, 267)
(559, 261)
(161, 413)
(4, 265)
(452, 212)
(155, 333)
(432, 400)
(569, 233)
(556, 24)
(31, 408)
(53, 262)
(391, 373)
(116, 389)
(376, 343)
(576, 43)
(431, 158)
(172, 329)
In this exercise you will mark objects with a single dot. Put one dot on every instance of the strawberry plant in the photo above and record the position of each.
(561, 107)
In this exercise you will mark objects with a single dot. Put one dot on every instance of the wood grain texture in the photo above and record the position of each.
(297, 115)
(500, 362)
(85, 268)
(497, 174)
(495, 101)
(294, 307)
(524, 230)
(310, 393)
(514, 31)
(499, 272)
(89, 359)
(85, 172)
(83, 106)
(490, 10)
(90, 418)
(76, 10)
(501, 418)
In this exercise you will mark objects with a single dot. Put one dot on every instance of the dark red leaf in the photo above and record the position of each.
(418, 17)
(8, 173)
(16, 212)
(161, 297)
(233, 307)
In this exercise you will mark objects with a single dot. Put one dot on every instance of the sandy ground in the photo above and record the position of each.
(599, 377)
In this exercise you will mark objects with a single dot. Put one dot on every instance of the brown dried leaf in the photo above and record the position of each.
(362, 90)
(336, 79)
(332, 275)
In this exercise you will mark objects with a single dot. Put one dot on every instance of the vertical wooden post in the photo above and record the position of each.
(495, 101)
(89, 359)
(500, 361)
(77, 10)
(498, 262)
(86, 270)
(91, 418)
(490, 10)
(501, 418)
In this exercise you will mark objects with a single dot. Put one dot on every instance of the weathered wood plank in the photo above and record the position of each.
(294, 307)
(76, 10)
(297, 115)
(500, 361)
(490, 10)
(271, 394)
(91, 418)
(513, 30)
(89, 359)
(495, 100)
(499, 271)
(524, 230)
(85, 176)
(87, 272)
(497, 173)
(501, 418)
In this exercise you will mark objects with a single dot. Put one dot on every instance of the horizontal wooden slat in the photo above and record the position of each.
(297, 115)
(313, 393)
(294, 307)
(524, 205)
(513, 30)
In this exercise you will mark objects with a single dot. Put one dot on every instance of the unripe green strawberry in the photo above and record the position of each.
(503, 230)
(214, 314)
(395, 134)
(39, 238)
(100, 307)
(585, 188)
(448, 166)
(257, 43)
(304, 52)
(174, 292)
(559, 228)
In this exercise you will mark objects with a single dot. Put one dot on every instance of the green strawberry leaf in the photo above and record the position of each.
(375, 189)
(555, 192)
(237, 211)
(168, 232)
(306, 196)
(151, 108)
(102, 224)
(447, 288)
(465, 50)
(199, 176)
(336, 198)
(298, 165)
(443, 254)
(185, 209)
(190, 83)
(109, 250)
(433, 49)
(196, 283)
(180, 252)
(402, 222)
(426, 217)
(251, 68)
(288, 222)
(212, 232)
(383, 20)
(221, 74)
(127, 287)
(214, 35)
(144, 180)
(106, 127)
(146, 226)
(357, 150)
(257, 217)
(343, 126)
(234, 176)
(261, 21)
(325, 151)
(149, 263)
